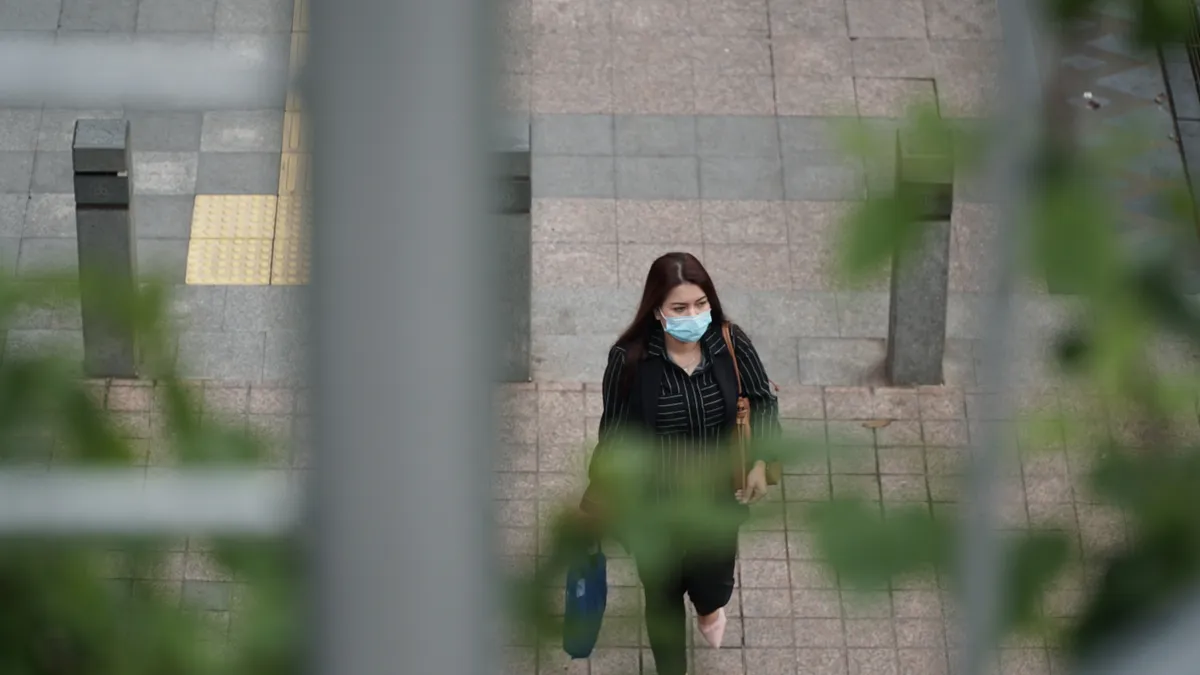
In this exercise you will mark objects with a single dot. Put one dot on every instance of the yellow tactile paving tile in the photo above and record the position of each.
(299, 54)
(300, 16)
(295, 173)
(295, 102)
(234, 217)
(291, 261)
(293, 217)
(293, 240)
(295, 132)
(229, 262)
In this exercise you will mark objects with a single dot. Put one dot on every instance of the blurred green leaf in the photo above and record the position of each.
(1074, 234)
(1159, 21)
(868, 551)
(92, 607)
(1035, 559)
(876, 229)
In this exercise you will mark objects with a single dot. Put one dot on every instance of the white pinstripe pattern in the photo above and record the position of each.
(690, 421)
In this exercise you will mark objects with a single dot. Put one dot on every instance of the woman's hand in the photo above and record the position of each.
(756, 484)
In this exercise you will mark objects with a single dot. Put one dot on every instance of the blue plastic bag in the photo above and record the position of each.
(586, 600)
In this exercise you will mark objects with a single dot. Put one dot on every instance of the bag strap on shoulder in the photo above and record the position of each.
(726, 333)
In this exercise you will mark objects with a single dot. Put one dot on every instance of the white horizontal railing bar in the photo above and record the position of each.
(147, 502)
(103, 74)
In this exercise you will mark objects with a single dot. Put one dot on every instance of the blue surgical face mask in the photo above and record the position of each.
(688, 328)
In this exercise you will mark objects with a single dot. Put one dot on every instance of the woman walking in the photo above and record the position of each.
(672, 380)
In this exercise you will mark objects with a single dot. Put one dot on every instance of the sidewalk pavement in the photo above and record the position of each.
(658, 125)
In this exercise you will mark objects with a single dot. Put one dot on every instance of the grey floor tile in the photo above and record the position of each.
(656, 135)
(1184, 98)
(222, 355)
(164, 131)
(512, 361)
(163, 216)
(958, 365)
(573, 134)
(570, 358)
(242, 131)
(736, 178)
(582, 311)
(974, 187)
(162, 260)
(172, 39)
(841, 362)
(30, 15)
(254, 173)
(99, 15)
(177, 15)
(57, 126)
(1144, 82)
(16, 172)
(196, 307)
(12, 214)
(964, 316)
(19, 128)
(10, 250)
(266, 308)
(565, 177)
(737, 136)
(778, 356)
(25, 343)
(820, 177)
(47, 255)
(801, 134)
(268, 54)
(787, 314)
(165, 173)
(863, 314)
(254, 16)
(57, 315)
(657, 178)
(52, 173)
(287, 356)
(50, 215)
(512, 131)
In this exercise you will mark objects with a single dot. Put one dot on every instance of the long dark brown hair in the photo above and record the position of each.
(669, 271)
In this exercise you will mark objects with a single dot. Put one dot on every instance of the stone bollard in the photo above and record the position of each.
(920, 275)
(107, 246)
(515, 259)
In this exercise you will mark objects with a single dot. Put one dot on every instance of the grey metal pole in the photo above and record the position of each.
(107, 246)
(404, 348)
(981, 559)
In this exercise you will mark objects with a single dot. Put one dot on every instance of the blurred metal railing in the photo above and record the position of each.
(128, 502)
(1010, 160)
(399, 500)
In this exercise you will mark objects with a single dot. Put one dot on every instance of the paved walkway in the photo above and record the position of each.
(218, 194)
(789, 615)
(665, 125)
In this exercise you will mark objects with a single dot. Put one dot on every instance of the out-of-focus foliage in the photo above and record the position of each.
(1070, 234)
(95, 607)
